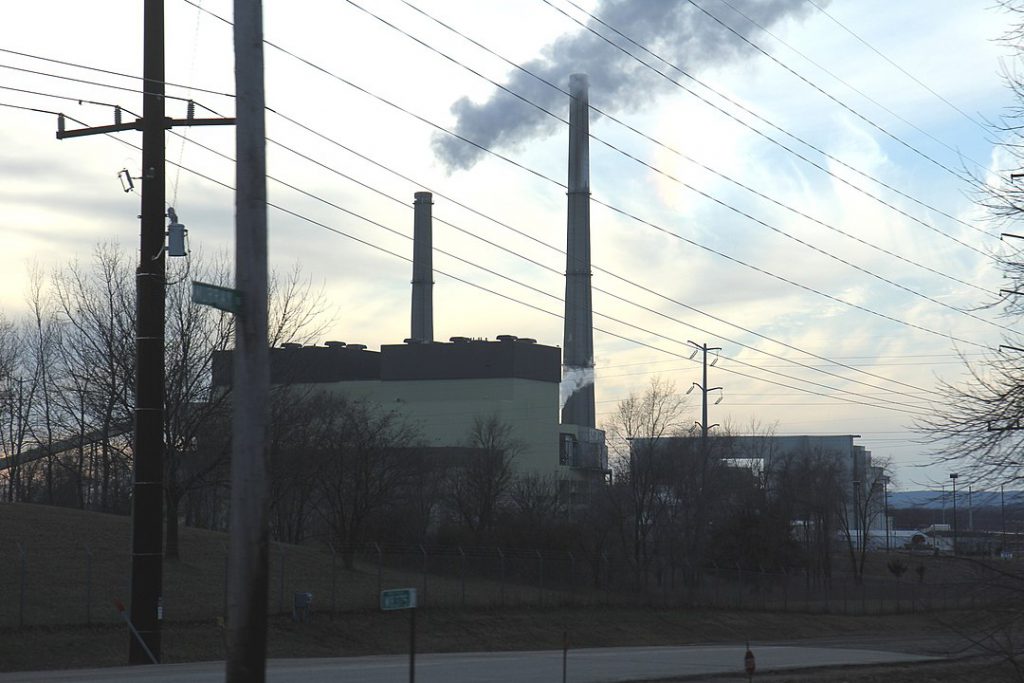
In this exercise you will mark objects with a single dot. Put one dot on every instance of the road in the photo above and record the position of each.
(596, 665)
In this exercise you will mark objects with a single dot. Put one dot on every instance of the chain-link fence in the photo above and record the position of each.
(79, 587)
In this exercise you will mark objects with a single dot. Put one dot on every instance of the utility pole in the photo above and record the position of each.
(247, 582)
(150, 285)
(703, 385)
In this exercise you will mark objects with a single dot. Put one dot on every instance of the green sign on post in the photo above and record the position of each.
(398, 598)
(224, 298)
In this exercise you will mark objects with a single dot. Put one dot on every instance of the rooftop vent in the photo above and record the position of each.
(357, 347)
(526, 340)
(335, 344)
(507, 338)
(291, 345)
(459, 340)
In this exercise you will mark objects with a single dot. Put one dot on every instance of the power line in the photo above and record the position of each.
(690, 159)
(903, 406)
(622, 212)
(898, 67)
(831, 97)
(475, 264)
(509, 297)
(849, 85)
(762, 134)
(560, 251)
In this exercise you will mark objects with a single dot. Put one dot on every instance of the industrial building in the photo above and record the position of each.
(441, 388)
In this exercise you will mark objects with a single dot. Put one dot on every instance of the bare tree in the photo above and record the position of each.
(363, 454)
(637, 437)
(478, 482)
(980, 421)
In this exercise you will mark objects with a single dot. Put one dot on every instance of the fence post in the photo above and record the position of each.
(227, 557)
(540, 575)
(462, 571)
(607, 578)
(334, 579)
(88, 584)
(380, 568)
(424, 551)
(501, 562)
(572, 577)
(280, 584)
(21, 582)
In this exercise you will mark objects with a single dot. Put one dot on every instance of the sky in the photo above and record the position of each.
(798, 200)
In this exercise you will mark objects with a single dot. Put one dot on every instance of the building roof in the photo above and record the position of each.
(462, 358)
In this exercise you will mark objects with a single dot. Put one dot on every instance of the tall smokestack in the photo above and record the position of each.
(578, 341)
(422, 269)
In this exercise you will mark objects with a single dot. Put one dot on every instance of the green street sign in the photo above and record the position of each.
(398, 598)
(224, 298)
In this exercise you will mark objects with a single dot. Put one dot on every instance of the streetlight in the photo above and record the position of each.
(954, 477)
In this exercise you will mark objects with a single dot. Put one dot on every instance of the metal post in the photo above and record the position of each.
(380, 569)
(21, 585)
(540, 574)
(462, 571)
(88, 584)
(1002, 514)
(280, 583)
(412, 645)
(954, 478)
(424, 551)
(247, 625)
(334, 580)
(501, 560)
(148, 443)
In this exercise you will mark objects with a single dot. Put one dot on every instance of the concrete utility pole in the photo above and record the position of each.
(703, 385)
(247, 582)
(150, 286)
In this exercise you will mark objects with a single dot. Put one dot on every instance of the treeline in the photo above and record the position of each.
(348, 473)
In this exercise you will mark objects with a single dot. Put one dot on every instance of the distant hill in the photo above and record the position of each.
(933, 500)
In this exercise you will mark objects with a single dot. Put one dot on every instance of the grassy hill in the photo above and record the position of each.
(69, 620)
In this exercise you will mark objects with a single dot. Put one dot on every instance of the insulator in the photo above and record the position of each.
(191, 109)
(117, 116)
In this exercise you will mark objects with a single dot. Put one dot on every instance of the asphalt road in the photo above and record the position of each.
(597, 665)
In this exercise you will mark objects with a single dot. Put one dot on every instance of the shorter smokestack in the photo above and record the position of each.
(422, 269)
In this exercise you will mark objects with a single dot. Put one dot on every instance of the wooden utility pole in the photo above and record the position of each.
(150, 285)
(247, 586)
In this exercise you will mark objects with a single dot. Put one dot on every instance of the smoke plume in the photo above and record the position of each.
(573, 379)
(673, 29)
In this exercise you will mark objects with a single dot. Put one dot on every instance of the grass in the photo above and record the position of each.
(55, 544)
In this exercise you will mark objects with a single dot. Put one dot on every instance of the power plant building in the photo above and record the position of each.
(442, 388)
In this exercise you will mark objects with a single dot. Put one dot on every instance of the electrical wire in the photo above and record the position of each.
(899, 68)
(672, 178)
(849, 85)
(833, 98)
(536, 263)
(762, 134)
(467, 282)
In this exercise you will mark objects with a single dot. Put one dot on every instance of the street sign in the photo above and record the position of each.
(398, 598)
(224, 298)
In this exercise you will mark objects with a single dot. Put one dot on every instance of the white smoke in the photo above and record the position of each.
(673, 29)
(573, 379)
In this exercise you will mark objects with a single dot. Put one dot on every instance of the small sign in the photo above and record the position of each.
(398, 598)
(224, 298)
